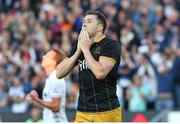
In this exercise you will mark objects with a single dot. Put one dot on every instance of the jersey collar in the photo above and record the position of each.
(100, 38)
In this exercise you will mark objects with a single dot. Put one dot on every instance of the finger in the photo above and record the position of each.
(79, 38)
(82, 30)
(33, 96)
(81, 33)
(34, 93)
(91, 40)
(31, 93)
(86, 34)
(29, 99)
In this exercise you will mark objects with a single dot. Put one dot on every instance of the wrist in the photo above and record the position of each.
(77, 53)
(85, 51)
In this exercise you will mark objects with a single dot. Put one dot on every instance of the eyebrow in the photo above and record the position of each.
(87, 19)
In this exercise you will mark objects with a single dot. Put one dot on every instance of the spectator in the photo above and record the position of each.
(3, 95)
(17, 97)
(35, 115)
(176, 80)
(145, 70)
(137, 95)
(164, 74)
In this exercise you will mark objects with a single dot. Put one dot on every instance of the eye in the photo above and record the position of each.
(89, 21)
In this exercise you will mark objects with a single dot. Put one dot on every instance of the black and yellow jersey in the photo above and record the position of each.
(99, 95)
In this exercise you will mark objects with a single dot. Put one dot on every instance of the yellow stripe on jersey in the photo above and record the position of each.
(100, 38)
(109, 58)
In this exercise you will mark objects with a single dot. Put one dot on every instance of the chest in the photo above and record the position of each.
(96, 51)
(47, 92)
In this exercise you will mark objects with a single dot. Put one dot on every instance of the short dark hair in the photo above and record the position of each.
(100, 16)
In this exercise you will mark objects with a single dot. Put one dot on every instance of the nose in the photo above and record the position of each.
(43, 57)
(83, 25)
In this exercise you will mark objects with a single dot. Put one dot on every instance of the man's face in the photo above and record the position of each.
(48, 59)
(90, 24)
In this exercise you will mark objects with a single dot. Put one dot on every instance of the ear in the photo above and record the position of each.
(100, 28)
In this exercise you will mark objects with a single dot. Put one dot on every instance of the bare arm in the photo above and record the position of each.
(53, 105)
(100, 68)
(128, 95)
(67, 65)
(30, 100)
(17, 99)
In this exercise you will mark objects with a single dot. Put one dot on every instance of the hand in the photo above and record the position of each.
(79, 40)
(34, 94)
(84, 41)
(32, 99)
(29, 98)
(78, 44)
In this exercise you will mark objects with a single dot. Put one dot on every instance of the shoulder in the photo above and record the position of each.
(54, 80)
(111, 45)
(62, 82)
(110, 42)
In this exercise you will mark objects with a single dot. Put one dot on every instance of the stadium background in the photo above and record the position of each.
(147, 29)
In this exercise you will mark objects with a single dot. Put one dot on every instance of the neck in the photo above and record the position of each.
(49, 70)
(96, 36)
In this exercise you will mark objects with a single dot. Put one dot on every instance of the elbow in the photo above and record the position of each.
(59, 75)
(100, 76)
(56, 109)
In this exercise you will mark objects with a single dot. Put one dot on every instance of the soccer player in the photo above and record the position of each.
(98, 58)
(54, 93)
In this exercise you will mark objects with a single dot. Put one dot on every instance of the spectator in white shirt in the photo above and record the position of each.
(17, 97)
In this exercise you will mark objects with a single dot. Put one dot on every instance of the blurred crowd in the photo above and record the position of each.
(149, 32)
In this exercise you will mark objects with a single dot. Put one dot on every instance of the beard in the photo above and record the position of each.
(91, 34)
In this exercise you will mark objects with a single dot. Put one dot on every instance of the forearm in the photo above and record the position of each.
(94, 65)
(128, 96)
(36, 104)
(50, 105)
(18, 99)
(66, 65)
(129, 63)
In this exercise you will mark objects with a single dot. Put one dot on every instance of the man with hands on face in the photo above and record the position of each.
(98, 58)
(54, 92)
